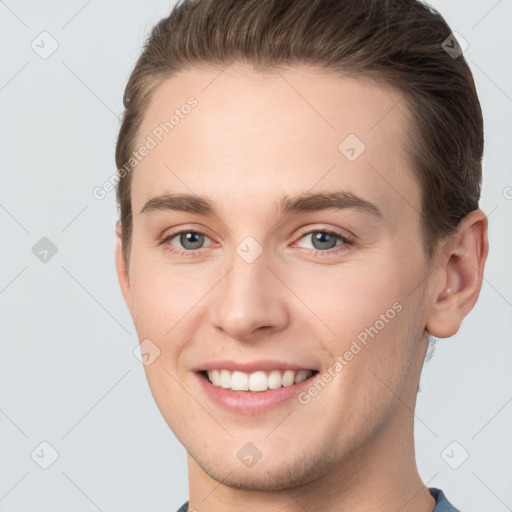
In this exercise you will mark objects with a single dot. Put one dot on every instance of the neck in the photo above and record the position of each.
(381, 475)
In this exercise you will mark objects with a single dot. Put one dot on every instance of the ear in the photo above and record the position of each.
(122, 270)
(460, 264)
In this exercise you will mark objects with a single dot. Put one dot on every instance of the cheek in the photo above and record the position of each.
(168, 309)
(352, 297)
(377, 375)
(373, 321)
(382, 372)
(162, 295)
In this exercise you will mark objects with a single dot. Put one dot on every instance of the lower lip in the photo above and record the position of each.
(252, 402)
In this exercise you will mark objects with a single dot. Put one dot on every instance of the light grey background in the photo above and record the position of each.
(68, 375)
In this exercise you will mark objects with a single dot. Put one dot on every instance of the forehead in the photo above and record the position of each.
(256, 136)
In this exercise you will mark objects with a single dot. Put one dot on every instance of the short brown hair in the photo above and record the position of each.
(398, 42)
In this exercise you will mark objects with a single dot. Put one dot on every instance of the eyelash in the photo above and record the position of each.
(347, 242)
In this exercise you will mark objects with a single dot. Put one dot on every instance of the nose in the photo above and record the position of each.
(250, 301)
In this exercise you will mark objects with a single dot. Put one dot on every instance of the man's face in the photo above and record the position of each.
(268, 290)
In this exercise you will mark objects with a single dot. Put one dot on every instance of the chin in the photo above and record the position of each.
(271, 475)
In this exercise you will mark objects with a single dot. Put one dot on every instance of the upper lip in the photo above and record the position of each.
(250, 366)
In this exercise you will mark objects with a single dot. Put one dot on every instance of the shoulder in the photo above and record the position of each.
(184, 507)
(442, 503)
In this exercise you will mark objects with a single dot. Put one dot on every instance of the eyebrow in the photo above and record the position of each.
(307, 202)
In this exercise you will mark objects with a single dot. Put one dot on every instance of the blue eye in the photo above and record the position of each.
(322, 242)
(325, 240)
(190, 241)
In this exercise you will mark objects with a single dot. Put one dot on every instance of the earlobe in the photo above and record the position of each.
(122, 270)
(461, 267)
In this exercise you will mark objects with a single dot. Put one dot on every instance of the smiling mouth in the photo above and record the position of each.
(257, 381)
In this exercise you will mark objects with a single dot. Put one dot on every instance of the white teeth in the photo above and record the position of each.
(215, 377)
(288, 378)
(301, 375)
(224, 379)
(256, 381)
(274, 379)
(239, 381)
